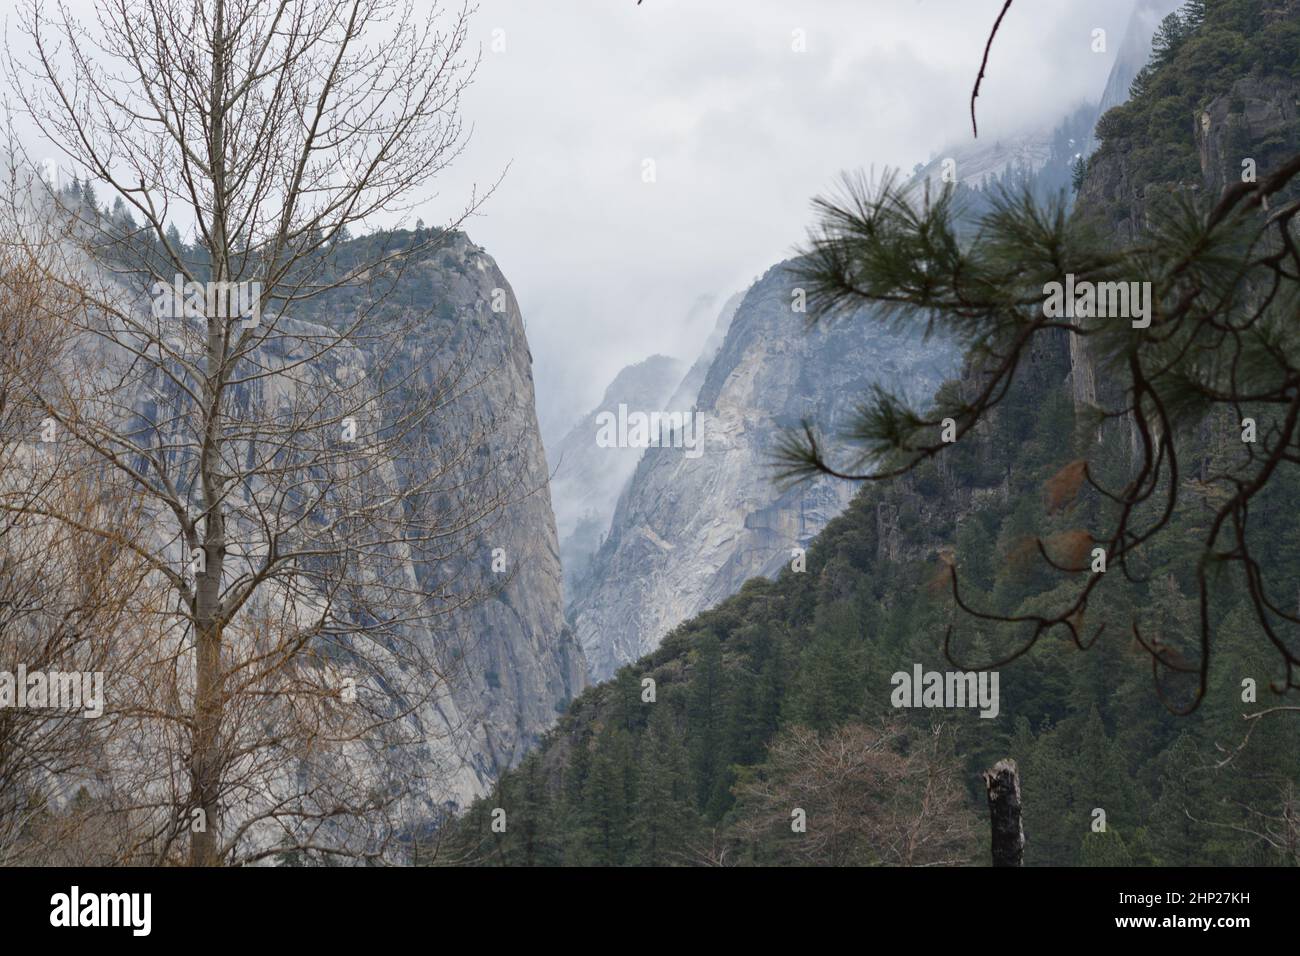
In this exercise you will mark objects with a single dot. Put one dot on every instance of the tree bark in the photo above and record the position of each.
(206, 770)
(1003, 786)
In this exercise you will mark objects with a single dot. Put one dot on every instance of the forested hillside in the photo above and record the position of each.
(765, 732)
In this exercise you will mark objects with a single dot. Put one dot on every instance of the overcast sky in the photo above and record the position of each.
(743, 130)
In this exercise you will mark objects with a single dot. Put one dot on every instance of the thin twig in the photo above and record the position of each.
(983, 65)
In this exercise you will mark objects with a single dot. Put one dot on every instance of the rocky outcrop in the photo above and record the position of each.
(1250, 127)
(689, 387)
(1255, 125)
(1134, 50)
(497, 663)
(522, 665)
(1133, 55)
(690, 529)
(588, 477)
(512, 662)
(1247, 128)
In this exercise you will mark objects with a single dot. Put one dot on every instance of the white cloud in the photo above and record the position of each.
(744, 132)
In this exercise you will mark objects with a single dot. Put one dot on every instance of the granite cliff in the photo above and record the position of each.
(688, 531)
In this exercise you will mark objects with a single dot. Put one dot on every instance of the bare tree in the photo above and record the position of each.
(309, 491)
(866, 799)
(66, 585)
(1277, 828)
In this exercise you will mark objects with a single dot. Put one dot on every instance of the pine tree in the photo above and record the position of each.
(1047, 803)
(533, 815)
(704, 716)
(1168, 38)
(627, 708)
(577, 820)
(1214, 261)
(1194, 14)
(609, 797)
(664, 821)
(1104, 849)
(174, 238)
(832, 668)
(1184, 786)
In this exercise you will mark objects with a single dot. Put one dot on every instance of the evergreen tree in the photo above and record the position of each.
(1173, 30)
(609, 797)
(664, 819)
(704, 718)
(879, 246)
(1104, 849)
(1194, 13)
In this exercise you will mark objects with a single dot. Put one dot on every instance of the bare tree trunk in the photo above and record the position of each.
(1003, 786)
(205, 772)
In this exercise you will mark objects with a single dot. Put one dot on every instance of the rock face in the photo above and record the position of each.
(515, 664)
(588, 478)
(522, 663)
(1255, 119)
(689, 387)
(1044, 159)
(1135, 50)
(512, 663)
(689, 530)
(492, 673)
(1258, 119)
(499, 638)
(1133, 55)
(687, 533)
